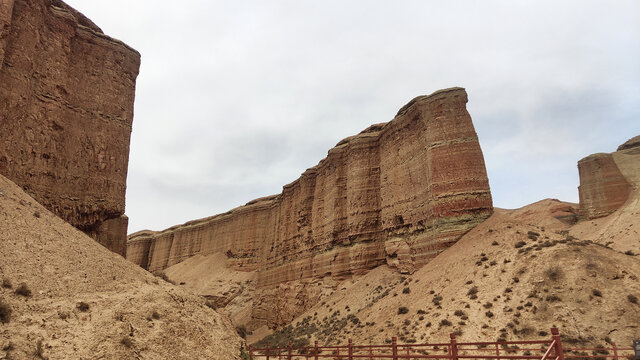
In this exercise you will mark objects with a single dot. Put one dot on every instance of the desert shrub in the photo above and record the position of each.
(23, 290)
(436, 300)
(487, 305)
(421, 312)
(489, 314)
(520, 244)
(126, 341)
(164, 277)
(495, 243)
(632, 299)
(5, 313)
(210, 304)
(472, 291)
(83, 306)
(36, 214)
(553, 297)
(629, 252)
(242, 331)
(458, 313)
(155, 315)
(596, 292)
(40, 350)
(6, 283)
(533, 235)
(445, 322)
(553, 273)
(406, 290)
(403, 310)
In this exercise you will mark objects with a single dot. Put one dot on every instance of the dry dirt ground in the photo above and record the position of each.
(86, 302)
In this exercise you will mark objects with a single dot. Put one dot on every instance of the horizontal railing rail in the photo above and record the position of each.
(549, 349)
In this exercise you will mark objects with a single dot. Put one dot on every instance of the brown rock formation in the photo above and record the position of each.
(603, 187)
(67, 95)
(399, 192)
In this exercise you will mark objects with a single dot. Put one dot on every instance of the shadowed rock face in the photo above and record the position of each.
(397, 193)
(67, 95)
(603, 187)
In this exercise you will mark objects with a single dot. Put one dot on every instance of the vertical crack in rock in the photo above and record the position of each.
(397, 193)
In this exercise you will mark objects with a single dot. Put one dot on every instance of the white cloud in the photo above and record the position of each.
(237, 98)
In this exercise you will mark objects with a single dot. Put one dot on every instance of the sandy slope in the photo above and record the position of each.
(522, 291)
(209, 276)
(63, 267)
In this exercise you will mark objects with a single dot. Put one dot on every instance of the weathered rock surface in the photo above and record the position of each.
(397, 193)
(67, 95)
(603, 187)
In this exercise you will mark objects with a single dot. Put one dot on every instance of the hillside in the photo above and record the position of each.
(506, 279)
(87, 302)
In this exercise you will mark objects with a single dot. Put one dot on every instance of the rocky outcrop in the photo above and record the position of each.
(603, 186)
(397, 193)
(67, 95)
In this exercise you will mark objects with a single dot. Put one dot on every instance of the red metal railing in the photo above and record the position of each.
(549, 349)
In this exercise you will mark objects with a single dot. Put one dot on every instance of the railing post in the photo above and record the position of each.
(268, 351)
(555, 335)
(454, 347)
(289, 351)
(251, 351)
(370, 351)
(394, 348)
(497, 351)
(315, 350)
(615, 350)
(350, 348)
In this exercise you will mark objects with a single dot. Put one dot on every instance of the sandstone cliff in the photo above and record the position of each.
(603, 186)
(67, 95)
(397, 193)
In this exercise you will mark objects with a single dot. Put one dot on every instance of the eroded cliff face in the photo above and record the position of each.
(603, 186)
(397, 193)
(67, 94)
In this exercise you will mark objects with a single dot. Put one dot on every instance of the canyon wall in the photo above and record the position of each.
(66, 109)
(603, 187)
(397, 193)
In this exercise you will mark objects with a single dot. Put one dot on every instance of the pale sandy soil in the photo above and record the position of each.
(62, 267)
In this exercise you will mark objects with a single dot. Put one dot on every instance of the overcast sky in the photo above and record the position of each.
(237, 98)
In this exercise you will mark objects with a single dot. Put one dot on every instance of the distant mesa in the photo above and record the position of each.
(603, 186)
(397, 193)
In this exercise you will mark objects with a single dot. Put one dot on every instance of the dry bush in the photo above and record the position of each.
(82, 306)
(403, 310)
(126, 341)
(23, 290)
(6, 283)
(5, 313)
(553, 273)
(632, 299)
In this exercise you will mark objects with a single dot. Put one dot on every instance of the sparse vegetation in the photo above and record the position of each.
(596, 292)
(472, 291)
(520, 244)
(164, 277)
(5, 313)
(632, 299)
(126, 341)
(242, 331)
(403, 310)
(83, 306)
(445, 322)
(6, 283)
(155, 315)
(23, 290)
(489, 314)
(406, 290)
(553, 273)
(40, 350)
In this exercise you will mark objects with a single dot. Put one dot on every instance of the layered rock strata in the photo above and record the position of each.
(603, 186)
(397, 193)
(67, 95)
